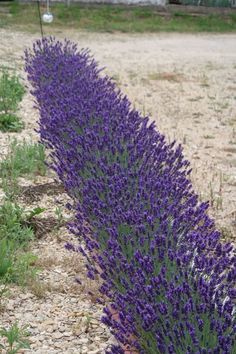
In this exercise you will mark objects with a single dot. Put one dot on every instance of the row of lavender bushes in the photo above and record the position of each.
(143, 231)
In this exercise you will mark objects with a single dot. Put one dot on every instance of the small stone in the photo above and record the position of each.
(83, 340)
(57, 335)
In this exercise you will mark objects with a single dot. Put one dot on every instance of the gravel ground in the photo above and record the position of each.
(187, 84)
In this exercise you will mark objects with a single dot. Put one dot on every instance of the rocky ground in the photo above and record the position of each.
(187, 84)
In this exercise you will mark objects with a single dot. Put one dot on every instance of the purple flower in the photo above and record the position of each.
(137, 219)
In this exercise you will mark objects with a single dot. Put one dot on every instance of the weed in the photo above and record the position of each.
(9, 122)
(10, 185)
(11, 93)
(195, 99)
(3, 293)
(116, 78)
(15, 339)
(208, 136)
(166, 76)
(13, 224)
(15, 266)
(39, 288)
(23, 271)
(15, 233)
(24, 158)
(204, 81)
(47, 262)
(60, 218)
(7, 250)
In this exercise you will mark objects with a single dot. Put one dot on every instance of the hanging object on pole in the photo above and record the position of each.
(48, 16)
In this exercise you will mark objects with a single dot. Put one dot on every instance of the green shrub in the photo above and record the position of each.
(11, 93)
(13, 224)
(7, 249)
(16, 265)
(9, 122)
(22, 270)
(24, 158)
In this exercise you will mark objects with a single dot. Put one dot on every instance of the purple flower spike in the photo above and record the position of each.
(141, 228)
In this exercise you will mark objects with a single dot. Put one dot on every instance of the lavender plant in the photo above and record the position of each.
(168, 276)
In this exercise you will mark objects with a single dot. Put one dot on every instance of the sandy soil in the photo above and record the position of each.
(187, 85)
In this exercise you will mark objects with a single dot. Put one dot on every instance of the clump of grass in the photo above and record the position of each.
(16, 231)
(13, 224)
(9, 122)
(166, 76)
(11, 93)
(15, 339)
(24, 158)
(16, 266)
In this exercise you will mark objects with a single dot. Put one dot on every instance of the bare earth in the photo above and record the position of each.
(187, 85)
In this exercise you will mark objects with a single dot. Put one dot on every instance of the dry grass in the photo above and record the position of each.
(167, 76)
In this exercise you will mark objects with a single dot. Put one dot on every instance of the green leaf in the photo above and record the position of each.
(34, 212)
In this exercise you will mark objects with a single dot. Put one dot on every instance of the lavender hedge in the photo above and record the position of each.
(143, 231)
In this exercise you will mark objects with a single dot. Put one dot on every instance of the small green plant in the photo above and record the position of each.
(15, 339)
(208, 136)
(16, 266)
(22, 272)
(7, 250)
(3, 294)
(11, 93)
(13, 224)
(16, 224)
(24, 158)
(60, 218)
(9, 122)
(16, 231)
(10, 185)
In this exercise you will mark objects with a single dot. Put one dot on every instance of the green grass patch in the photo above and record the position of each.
(13, 225)
(10, 122)
(15, 339)
(112, 18)
(16, 266)
(16, 232)
(24, 158)
(11, 93)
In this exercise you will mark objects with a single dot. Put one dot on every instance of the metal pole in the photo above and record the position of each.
(40, 19)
